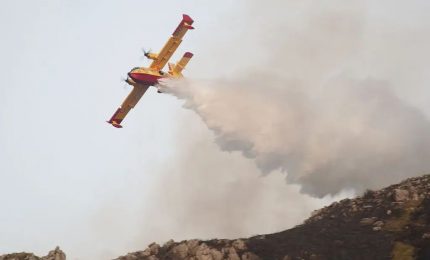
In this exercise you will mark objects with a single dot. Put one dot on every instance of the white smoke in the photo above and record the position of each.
(204, 193)
(323, 103)
(346, 134)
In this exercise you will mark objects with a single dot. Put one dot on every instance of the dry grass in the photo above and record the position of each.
(402, 251)
(396, 224)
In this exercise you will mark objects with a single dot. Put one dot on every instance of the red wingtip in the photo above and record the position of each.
(114, 124)
(187, 18)
(185, 23)
(188, 55)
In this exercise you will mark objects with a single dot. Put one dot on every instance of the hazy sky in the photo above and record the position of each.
(61, 164)
(61, 66)
(68, 178)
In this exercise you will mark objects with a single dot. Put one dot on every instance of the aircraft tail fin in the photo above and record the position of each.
(176, 69)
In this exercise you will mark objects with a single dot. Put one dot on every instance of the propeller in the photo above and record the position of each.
(146, 53)
(125, 84)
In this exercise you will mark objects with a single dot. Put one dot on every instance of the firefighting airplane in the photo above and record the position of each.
(142, 78)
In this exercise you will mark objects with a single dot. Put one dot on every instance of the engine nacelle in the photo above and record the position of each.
(151, 56)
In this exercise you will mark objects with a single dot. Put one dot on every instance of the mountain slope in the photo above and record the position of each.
(392, 223)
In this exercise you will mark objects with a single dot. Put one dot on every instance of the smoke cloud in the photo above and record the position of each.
(351, 134)
(316, 108)
(204, 193)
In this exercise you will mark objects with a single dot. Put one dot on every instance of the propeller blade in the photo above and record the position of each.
(146, 53)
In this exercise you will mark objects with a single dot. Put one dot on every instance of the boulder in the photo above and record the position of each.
(400, 195)
(179, 252)
(19, 256)
(192, 246)
(55, 254)
(239, 245)
(168, 244)
(367, 221)
(154, 248)
(378, 223)
(377, 228)
(250, 256)
(203, 252)
(216, 255)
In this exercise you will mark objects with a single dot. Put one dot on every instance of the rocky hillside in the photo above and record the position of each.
(55, 254)
(392, 223)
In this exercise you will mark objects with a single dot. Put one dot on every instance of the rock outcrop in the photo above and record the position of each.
(195, 249)
(392, 223)
(55, 254)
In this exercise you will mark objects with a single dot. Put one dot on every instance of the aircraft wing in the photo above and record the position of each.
(172, 44)
(127, 105)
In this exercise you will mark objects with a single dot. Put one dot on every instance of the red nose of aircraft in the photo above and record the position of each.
(130, 75)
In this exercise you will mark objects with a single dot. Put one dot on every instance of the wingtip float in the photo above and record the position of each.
(141, 78)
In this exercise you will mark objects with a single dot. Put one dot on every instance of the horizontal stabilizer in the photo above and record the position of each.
(177, 69)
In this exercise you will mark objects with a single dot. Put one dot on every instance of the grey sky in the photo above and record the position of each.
(68, 178)
(60, 163)
(61, 66)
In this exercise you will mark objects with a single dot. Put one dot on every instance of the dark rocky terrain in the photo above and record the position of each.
(392, 223)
